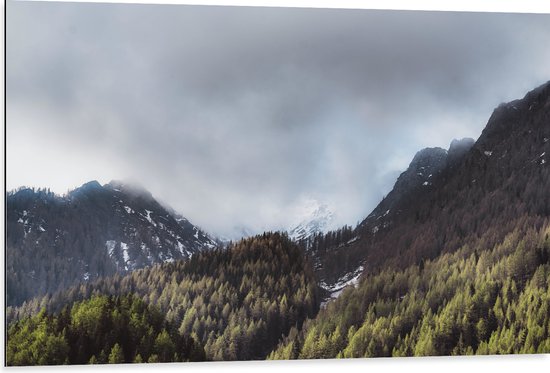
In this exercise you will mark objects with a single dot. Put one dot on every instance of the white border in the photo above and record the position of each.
(505, 6)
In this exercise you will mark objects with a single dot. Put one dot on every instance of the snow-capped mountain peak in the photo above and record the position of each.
(319, 220)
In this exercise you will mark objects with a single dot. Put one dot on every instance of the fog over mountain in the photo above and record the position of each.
(240, 117)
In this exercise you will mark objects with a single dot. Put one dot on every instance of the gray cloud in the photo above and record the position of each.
(239, 117)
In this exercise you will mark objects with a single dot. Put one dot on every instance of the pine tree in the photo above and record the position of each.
(116, 356)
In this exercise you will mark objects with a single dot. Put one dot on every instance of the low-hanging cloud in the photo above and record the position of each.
(237, 117)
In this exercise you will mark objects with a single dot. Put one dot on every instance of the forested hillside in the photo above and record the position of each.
(236, 303)
(477, 300)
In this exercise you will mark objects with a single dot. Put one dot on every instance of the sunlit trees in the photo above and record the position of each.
(103, 329)
(496, 302)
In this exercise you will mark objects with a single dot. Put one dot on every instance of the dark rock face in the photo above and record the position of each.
(518, 116)
(458, 149)
(54, 242)
(425, 164)
(425, 167)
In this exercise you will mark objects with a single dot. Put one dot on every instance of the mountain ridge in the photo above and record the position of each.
(510, 152)
(467, 184)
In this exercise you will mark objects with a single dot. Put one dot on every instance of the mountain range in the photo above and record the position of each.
(454, 260)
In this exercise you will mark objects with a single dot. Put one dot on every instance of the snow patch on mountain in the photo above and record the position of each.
(125, 254)
(336, 289)
(148, 217)
(110, 245)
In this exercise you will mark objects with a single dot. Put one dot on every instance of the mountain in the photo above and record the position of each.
(337, 256)
(426, 167)
(55, 241)
(479, 188)
(456, 258)
(449, 198)
(317, 221)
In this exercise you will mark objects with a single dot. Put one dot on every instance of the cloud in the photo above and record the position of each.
(235, 116)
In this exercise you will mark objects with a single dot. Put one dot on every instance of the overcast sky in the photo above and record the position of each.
(248, 117)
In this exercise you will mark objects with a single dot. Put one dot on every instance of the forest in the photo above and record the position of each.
(236, 303)
(258, 299)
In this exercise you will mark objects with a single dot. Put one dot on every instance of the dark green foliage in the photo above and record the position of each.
(237, 302)
(103, 329)
(496, 302)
